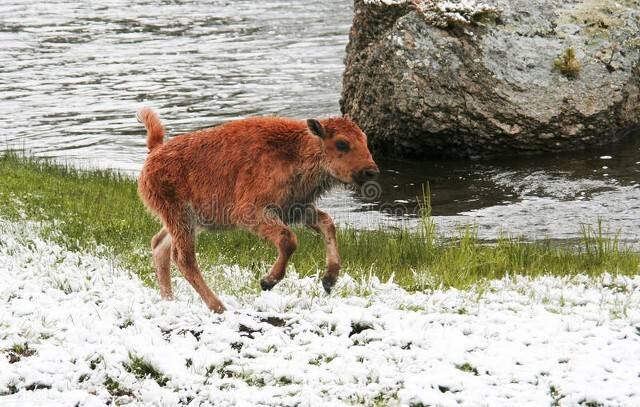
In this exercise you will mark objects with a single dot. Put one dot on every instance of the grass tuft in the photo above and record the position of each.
(115, 388)
(18, 351)
(466, 367)
(568, 64)
(142, 369)
(22, 349)
(100, 211)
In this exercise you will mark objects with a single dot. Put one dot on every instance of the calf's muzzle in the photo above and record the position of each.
(367, 174)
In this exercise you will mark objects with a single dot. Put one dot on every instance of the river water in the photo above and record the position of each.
(73, 73)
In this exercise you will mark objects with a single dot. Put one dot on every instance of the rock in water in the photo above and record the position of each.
(468, 79)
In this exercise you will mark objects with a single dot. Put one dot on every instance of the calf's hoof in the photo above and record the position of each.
(328, 282)
(219, 308)
(266, 284)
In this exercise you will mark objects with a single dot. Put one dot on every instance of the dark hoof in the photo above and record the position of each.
(328, 282)
(267, 285)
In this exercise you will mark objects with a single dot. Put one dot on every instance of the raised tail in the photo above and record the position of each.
(155, 131)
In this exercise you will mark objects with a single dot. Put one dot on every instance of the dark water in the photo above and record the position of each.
(73, 73)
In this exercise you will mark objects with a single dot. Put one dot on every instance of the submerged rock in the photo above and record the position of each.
(460, 78)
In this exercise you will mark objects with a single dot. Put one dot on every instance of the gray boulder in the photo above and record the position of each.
(464, 79)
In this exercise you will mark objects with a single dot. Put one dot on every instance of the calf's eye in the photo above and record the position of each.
(342, 145)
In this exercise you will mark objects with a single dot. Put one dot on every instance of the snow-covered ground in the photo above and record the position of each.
(73, 328)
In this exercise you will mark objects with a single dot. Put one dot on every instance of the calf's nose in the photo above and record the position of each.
(369, 174)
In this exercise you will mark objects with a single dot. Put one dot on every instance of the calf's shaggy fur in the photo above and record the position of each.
(260, 174)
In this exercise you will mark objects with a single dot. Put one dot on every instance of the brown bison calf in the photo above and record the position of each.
(259, 174)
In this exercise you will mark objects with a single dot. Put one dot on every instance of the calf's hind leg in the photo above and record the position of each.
(161, 249)
(183, 253)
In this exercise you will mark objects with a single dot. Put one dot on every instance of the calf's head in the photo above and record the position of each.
(347, 157)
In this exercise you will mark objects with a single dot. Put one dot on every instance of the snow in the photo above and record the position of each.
(445, 13)
(386, 2)
(518, 342)
(442, 13)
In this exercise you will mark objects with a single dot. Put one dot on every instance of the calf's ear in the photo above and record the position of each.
(316, 128)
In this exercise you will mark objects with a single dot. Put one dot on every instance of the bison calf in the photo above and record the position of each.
(260, 174)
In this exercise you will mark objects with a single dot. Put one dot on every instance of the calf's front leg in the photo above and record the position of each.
(322, 223)
(285, 241)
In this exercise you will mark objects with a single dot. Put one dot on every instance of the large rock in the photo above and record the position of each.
(418, 85)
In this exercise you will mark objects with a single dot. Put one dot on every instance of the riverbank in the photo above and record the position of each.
(99, 212)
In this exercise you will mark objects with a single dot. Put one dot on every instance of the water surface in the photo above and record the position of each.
(72, 74)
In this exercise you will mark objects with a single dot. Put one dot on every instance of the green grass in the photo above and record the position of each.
(466, 367)
(22, 349)
(90, 210)
(143, 369)
(115, 388)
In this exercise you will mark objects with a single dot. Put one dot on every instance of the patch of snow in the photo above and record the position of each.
(445, 13)
(386, 2)
(521, 342)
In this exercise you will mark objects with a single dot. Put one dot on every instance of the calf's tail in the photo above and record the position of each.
(155, 131)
